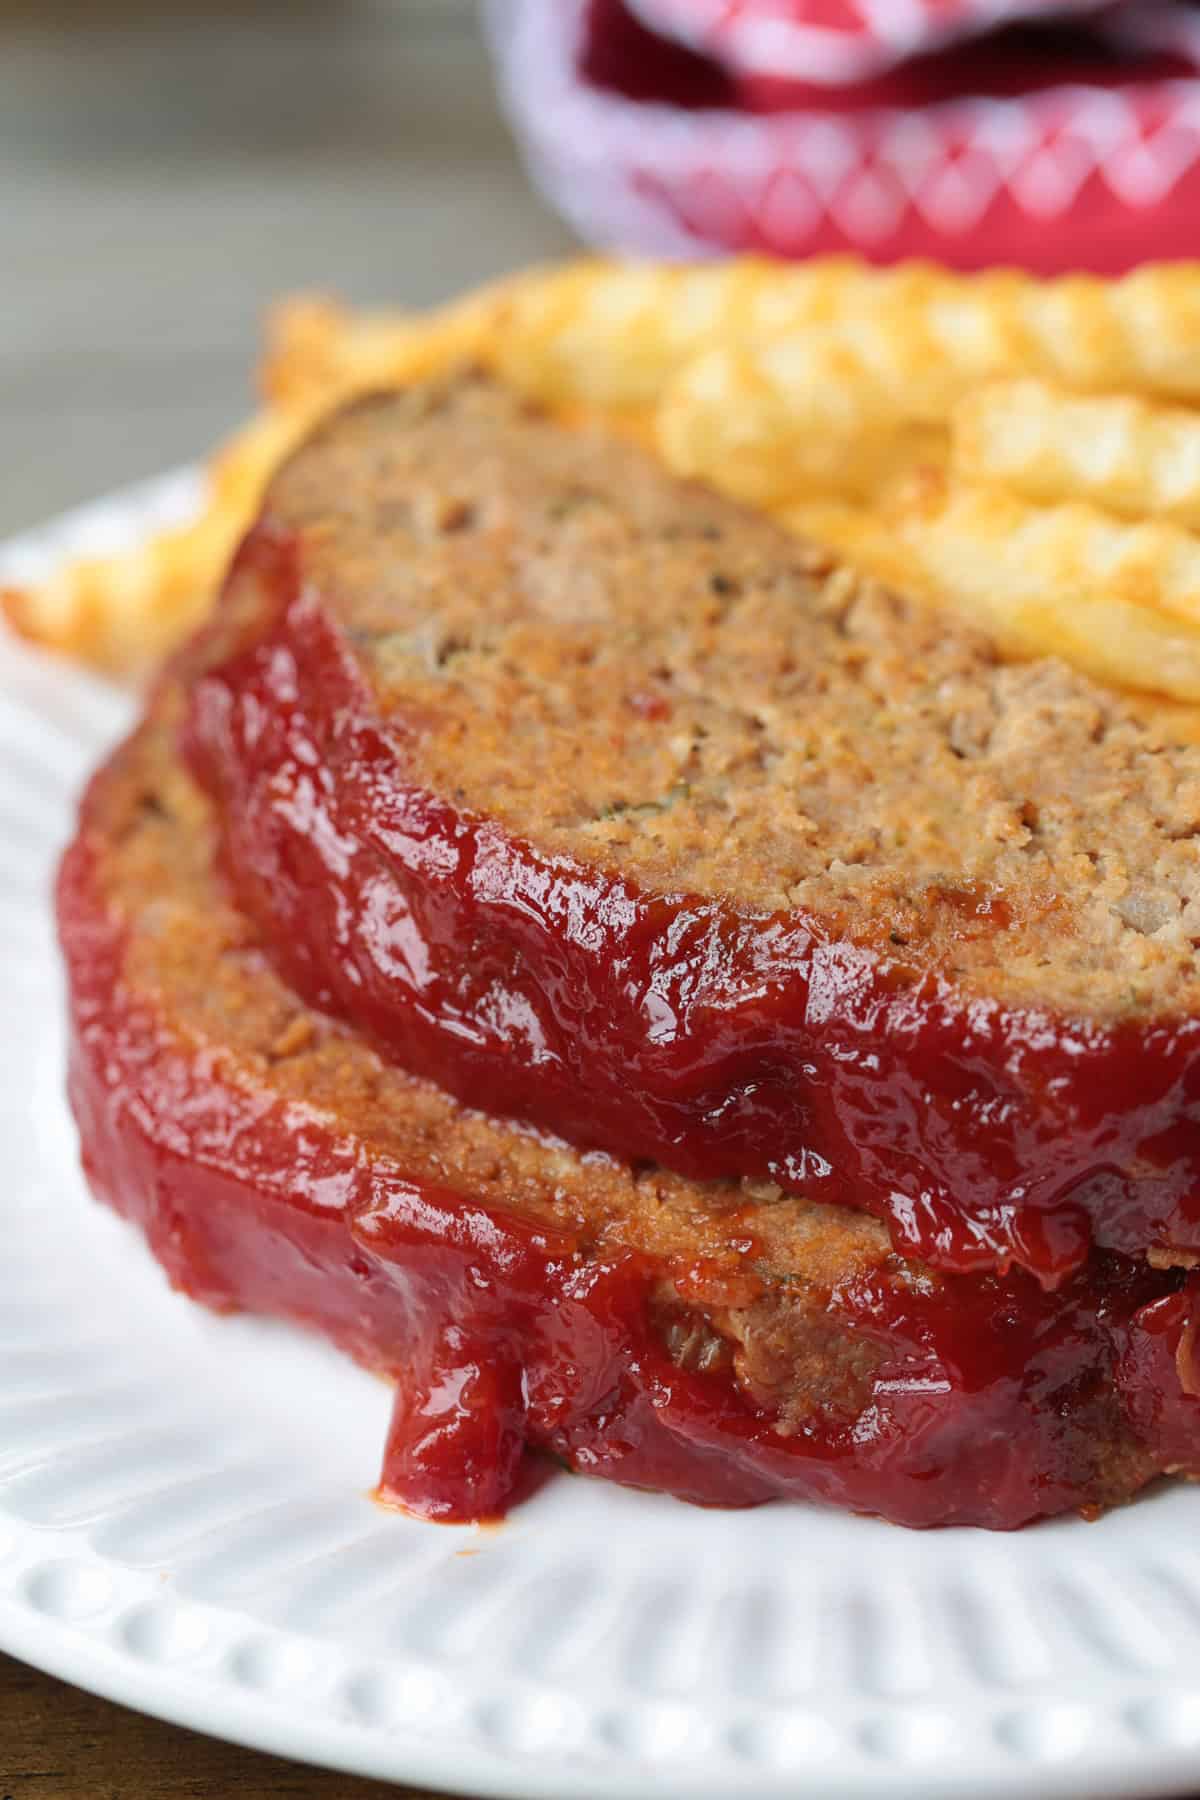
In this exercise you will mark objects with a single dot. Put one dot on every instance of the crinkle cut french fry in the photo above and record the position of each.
(611, 334)
(1141, 333)
(1119, 601)
(1132, 456)
(772, 424)
(920, 340)
(317, 350)
(122, 613)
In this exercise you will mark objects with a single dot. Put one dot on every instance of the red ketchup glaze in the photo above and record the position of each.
(673, 1029)
(507, 1336)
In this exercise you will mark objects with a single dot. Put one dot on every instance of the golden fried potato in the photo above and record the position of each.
(122, 613)
(610, 335)
(1119, 601)
(1141, 333)
(318, 351)
(774, 423)
(1134, 457)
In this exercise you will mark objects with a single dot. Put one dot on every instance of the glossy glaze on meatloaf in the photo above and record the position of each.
(702, 1338)
(612, 808)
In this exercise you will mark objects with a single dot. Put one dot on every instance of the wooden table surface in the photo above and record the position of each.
(164, 172)
(57, 1743)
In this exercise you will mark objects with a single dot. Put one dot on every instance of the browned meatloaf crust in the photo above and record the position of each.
(613, 808)
(702, 1338)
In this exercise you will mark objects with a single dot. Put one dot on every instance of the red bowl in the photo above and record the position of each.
(645, 147)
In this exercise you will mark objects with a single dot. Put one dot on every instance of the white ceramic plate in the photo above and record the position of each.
(184, 1521)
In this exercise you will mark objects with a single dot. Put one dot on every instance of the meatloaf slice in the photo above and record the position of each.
(705, 1339)
(612, 808)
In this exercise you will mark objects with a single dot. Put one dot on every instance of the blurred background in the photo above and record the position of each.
(167, 169)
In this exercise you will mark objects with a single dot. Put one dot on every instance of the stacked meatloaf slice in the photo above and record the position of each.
(655, 997)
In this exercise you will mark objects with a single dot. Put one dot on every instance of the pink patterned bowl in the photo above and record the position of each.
(1088, 161)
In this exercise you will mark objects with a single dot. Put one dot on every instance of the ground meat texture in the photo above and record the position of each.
(711, 1339)
(628, 670)
(604, 802)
